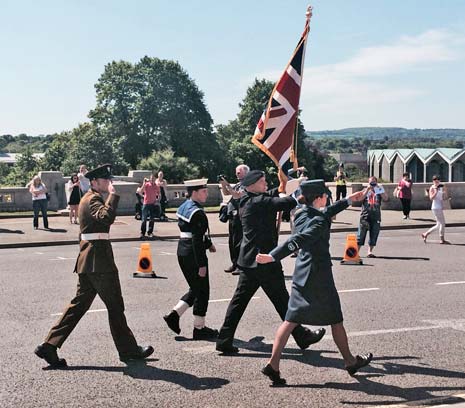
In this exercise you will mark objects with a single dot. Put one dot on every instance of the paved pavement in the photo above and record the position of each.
(18, 232)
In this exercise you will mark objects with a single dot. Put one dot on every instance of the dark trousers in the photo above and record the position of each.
(341, 191)
(148, 213)
(40, 205)
(199, 288)
(270, 278)
(235, 238)
(107, 286)
(406, 205)
(371, 226)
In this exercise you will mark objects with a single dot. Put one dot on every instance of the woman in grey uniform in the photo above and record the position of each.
(314, 299)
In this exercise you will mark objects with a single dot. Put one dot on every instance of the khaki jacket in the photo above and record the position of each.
(96, 215)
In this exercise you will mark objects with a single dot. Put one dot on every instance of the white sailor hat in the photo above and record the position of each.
(196, 184)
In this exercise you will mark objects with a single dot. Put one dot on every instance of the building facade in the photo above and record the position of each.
(422, 164)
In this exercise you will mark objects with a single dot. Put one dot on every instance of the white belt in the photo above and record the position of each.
(185, 234)
(93, 237)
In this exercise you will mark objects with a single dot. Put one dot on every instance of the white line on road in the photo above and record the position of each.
(166, 253)
(89, 311)
(227, 300)
(357, 290)
(450, 283)
(39, 253)
(60, 258)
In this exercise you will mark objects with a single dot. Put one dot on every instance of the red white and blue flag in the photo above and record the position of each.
(274, 134)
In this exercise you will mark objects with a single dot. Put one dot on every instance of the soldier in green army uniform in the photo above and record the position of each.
(97, 275)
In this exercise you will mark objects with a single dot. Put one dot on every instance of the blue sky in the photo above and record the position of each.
(368, 63)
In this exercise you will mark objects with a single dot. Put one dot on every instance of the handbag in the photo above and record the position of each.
(47, 196)
(396, 192)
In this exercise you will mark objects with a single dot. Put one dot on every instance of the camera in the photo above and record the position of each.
(440, 185)
(220, 177)
(373, 183)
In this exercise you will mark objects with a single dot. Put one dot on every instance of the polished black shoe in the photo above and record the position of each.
(361, 361)
(205, 333)
(273, 375)
(226, 349)
(49, 354)
(139, 354)
(236, 272)
(230, 269)
(311, 337)
(172, 320)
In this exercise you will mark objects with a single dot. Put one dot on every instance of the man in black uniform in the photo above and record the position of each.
(192, 245)
(97, 274)
(258, 211)
(234, 227)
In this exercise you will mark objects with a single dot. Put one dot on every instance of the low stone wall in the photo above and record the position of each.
(19, 199)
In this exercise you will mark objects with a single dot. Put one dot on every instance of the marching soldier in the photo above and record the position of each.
(258, 209)
(97, 275)
(192, 246)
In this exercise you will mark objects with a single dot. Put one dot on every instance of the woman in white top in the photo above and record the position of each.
(437, 195)
(38, 191)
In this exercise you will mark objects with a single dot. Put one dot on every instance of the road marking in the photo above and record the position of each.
(89, 311)
(39, 253)
(450, 283)
(458, 324)
(357, 290)
(60, 258)
(166, 253)
(227, 300)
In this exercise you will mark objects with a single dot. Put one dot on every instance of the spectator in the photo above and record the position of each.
(75, 194)
(437, 194)
(162, 184)
(340, 179)
(151, 193)
(234, 221)
(83, 180)
(405, 194)
(370, 216)
(39, 201)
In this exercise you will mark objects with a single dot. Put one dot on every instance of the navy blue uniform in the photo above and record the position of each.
(192, 246)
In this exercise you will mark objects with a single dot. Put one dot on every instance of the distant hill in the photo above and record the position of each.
(376, 133)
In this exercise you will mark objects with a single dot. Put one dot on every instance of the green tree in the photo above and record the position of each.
(175, 169)
(56, 152)
(91, 146)
(23, 170)
(154, 105)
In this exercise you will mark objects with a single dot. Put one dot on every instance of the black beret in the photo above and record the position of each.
(103, 172)
(252, 177)
(314, 187)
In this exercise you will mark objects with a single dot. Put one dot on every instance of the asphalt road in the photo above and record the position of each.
(406, 307)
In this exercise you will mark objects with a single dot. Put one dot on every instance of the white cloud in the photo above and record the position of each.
(363, 79)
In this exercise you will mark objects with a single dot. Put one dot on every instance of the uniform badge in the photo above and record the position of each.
(292, 246)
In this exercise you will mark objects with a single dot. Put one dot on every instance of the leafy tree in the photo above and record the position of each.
(23, 170)
(56, 152)
(175, 169)
(91, 146)
(154, 105)
(4, 171)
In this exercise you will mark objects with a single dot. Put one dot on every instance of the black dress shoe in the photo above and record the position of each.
(361, 361)
(139, 354)
(311, 337)
(49, 354)
(227, 349)
(230, 269)
(205, 333)
(172, 320)
(273, 375)
(236, 272)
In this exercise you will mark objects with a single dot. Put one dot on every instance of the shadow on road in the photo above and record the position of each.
(8, 231)
(141, 370)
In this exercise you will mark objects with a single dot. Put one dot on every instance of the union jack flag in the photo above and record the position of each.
(274, 134)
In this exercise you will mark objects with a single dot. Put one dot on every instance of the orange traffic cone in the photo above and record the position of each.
(351, 255)
(144, 265)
